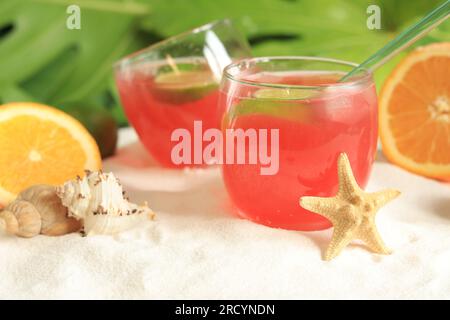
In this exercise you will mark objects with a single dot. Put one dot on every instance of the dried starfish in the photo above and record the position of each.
(352, 212)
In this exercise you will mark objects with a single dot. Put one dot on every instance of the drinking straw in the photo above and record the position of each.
(403, 40)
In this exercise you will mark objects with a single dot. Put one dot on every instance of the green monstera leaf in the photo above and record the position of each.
(42, 60)
(329, 28)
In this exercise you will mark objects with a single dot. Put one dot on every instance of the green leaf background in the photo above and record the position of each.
(41, 60)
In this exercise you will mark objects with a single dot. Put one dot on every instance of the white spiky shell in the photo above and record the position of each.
(99, 201)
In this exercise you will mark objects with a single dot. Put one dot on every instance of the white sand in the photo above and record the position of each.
(197, 249)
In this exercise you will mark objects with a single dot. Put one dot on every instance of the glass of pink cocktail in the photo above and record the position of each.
(175, 82)
(317, 118)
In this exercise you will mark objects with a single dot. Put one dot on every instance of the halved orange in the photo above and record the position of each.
(41, 145)
(415, 112)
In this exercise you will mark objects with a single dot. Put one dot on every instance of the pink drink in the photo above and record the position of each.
(173, 84)
(314, 127)
(158, 100)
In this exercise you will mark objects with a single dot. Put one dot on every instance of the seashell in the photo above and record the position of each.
(37, 210)
(98, 200)
(20, 218)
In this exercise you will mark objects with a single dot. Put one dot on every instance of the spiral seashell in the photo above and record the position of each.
(98, 200)
(37, 210)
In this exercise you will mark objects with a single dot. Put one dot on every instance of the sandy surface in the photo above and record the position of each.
(197, 248)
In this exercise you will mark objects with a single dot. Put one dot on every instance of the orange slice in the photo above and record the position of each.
(415, 112)
(41, 145)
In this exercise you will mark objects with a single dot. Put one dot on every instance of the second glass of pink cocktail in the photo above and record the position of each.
(174, 83)
(316, 118)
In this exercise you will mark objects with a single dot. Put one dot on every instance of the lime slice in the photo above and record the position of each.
(290, 110)
(283, 94)
(276, 102)
(183, 86)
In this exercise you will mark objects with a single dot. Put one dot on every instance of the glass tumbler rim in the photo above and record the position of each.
(128, 59)
(365, 79)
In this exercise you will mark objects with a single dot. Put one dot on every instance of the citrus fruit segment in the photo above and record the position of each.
(290, 110)
(184, 86)
(41, 145)
(280, 93)
(276, 102)
(415, 112)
